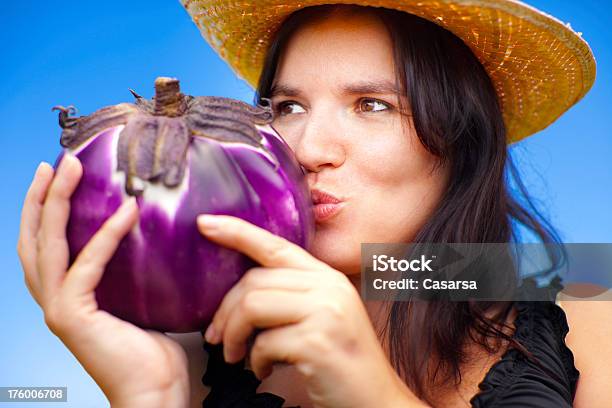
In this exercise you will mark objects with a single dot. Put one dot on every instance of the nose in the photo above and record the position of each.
(321, 144)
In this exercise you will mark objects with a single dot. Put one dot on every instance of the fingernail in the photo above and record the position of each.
(39, 168)
(208, 222)
(211, 334)
(128, 205)
(66, 161)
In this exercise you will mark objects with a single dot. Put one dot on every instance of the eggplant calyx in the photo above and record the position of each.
(65, 120)
(77, 130)
(157, 132)
(227, 120)
(133, 92)
(152, 148)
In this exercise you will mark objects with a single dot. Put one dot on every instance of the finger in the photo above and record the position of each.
(261, 309)
(30, 223)
(279, 345)
(88, 268)
(53, 250)
(260, 245)
(259, 278)
(294, 280)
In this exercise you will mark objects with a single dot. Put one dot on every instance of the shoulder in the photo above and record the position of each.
(590, 331)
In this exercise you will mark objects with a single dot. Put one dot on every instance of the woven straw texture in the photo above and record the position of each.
(539, 66)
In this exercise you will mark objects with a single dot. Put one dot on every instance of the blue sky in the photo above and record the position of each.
(89, 53)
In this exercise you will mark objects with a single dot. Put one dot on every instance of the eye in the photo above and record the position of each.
(285, 108)
(373, 105)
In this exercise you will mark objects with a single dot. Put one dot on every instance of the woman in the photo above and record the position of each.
(417, 159)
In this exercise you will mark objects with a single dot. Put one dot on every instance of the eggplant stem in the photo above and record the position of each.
(169, 101)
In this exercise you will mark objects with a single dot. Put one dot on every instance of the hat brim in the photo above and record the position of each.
(539, 66)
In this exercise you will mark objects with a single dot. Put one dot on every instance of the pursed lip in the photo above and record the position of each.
(325, 204)
(323, 197)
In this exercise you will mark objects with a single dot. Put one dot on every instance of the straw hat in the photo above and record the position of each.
(539, 66)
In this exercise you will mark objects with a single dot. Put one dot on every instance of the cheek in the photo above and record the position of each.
(392, 191)
(394, 217)
(392, 160)
(381, 210)
(398, 190)
(290, 134)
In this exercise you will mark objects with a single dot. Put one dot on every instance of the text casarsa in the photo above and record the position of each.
(427, 284)
(450, 284)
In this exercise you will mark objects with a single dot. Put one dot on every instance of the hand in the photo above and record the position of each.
(132, 366)
(314, 317)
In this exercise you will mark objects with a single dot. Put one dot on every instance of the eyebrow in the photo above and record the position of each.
(383, 87)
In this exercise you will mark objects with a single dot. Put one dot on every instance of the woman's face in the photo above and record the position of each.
(336, 109)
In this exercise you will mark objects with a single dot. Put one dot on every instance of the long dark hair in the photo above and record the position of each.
(457, 117)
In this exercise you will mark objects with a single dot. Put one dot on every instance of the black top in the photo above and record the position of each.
(514, 381)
